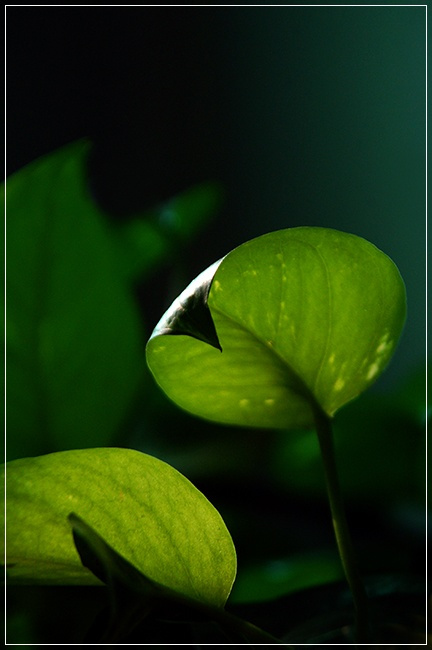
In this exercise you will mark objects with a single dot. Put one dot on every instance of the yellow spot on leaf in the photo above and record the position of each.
(373, 371)
(384, 346)
(339, 384)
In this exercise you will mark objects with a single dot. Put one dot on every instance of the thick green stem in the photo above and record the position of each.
(340, 526)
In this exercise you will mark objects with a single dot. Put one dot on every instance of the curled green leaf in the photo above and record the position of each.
(190, 315)
(306, 318)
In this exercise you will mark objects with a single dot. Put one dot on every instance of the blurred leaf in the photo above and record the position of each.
(144, 509)
(155, 236)
(281, 577)
(305, 317)
(378, 448)
(73, 332)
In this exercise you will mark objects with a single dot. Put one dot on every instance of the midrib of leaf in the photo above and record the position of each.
(299, 386)
(303, 388)
(329, 313)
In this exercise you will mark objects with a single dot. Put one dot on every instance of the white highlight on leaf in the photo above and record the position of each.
(244, 402)
(269, 402)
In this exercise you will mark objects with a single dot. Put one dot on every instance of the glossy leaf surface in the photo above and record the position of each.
(304, 317)
(144, 509)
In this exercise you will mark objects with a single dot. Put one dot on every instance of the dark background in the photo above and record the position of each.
(306, 115)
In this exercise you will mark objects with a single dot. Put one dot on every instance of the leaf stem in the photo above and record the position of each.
(340, 525)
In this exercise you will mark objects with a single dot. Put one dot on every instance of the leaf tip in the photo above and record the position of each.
(190, 314)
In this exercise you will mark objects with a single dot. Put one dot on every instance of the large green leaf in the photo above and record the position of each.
(305, 317)
(144, 509)
(74, 337)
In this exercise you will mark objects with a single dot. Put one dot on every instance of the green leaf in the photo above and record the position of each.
(144, 509)
(145, 241)
(74, 337)
(305, 317)
(105, 563)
